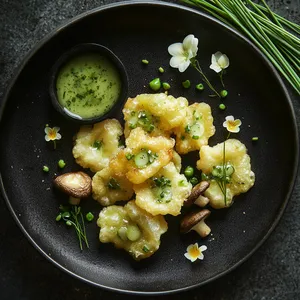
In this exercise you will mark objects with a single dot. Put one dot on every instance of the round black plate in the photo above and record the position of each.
(135, 31)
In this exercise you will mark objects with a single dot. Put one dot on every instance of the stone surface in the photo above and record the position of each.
(273, 272)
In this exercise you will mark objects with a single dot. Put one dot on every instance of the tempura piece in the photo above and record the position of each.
(110, 184)
(196, 128)
(157, 114)
(132, 229)
(237, 168)
(146, 154)
(96, 145)
(164, 193)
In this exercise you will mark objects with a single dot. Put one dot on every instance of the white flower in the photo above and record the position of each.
(219, 62)
(232, 125)
(52, 134)
(194, 252)
(183, 52)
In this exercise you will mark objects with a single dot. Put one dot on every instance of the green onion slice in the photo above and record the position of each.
(197, 130)
(141, 159)
(133, 233)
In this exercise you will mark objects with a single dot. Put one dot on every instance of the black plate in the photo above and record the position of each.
(136, 31)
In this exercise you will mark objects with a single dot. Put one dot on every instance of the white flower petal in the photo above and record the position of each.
(223, 61)
(218, 55)
(175, 61)
(188, 54)
(192, 259)
(47, 138)
(56, 129)
(215, 67)
(191, 43)
(188, 256)
(229, 118)
(195, 46)
(183, 66)
(47, 129)
(225, 124)
(176, 49)
(201, 256)
(58, 136)
(213, 59)
(203, 248)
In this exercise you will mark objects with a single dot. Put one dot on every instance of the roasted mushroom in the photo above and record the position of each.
(74, 184)
(195, 221)
(196, 196)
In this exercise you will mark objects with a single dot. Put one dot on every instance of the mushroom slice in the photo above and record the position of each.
(196, 196)
(196, 221)
(74, 184)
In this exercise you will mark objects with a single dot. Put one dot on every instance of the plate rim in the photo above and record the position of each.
(99, 9)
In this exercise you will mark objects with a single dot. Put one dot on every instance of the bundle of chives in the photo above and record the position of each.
(264, 28)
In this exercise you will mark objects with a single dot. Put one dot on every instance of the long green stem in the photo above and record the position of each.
(221, 78)
(262, 36)
(271, 13)
(84, 232)
(196, 65)
(278, 30)
(281, 47)
(224, 175)
(293, 26)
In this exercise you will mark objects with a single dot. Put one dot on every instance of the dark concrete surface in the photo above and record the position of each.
(273, 272)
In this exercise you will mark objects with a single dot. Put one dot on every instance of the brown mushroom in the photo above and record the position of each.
(196, 221)
(74, 184)
(196, 196)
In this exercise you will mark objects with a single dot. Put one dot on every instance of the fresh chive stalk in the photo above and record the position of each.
(266, 29)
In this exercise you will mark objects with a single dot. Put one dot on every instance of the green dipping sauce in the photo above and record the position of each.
(88, 86)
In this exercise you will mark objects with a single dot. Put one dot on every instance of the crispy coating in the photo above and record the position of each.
(196, 128)
(242, 178)
(113, 218)
(177, 161)
(96, 145)
(157, 114)
(164, 193)
(161, 147)
(110, 184)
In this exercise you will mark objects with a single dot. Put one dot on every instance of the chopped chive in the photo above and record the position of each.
(58, 218)
(155, 84)
(166, 86)
(129, 156)
(222, 106)
(89, 216)
(146, 249)
(200, 87)
(194, 181)
(69, 223)
(186, 84)
(46, 169)
(61, 163)
(223, 93)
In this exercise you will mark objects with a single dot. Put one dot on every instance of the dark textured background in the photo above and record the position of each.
(273, 272)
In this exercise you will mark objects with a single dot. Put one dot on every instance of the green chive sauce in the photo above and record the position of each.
(88, 86)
